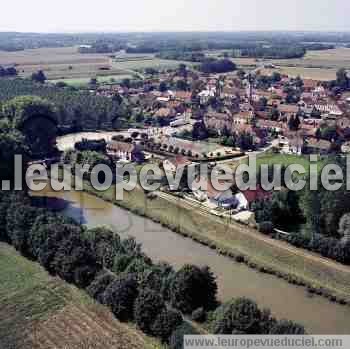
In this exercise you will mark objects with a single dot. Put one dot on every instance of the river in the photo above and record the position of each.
(317, 314)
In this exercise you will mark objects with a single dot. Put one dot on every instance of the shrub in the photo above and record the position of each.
(56, 234)
(177, 337)
(166, 322)
(199, 315)
(287, 327)
(266, 228)
(75, 262)
(120, 296)
(193, 288)
(20, 219)
(105, 243)
(240, 315)
(97, 288)
(147, 306)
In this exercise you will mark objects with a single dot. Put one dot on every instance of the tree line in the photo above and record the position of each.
(75, 110)
(117, 273)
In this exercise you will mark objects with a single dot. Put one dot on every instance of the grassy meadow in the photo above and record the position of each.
(39, 311)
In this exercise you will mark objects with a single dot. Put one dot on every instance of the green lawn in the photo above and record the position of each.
(287, 160)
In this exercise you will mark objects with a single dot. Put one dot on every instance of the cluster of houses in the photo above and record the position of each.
(314, 122)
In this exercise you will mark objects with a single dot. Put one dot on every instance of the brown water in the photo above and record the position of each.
(317, 314)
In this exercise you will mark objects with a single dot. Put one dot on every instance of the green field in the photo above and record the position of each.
(39, 311)
(318, 65)
(81, 82)
(141, 64)
(287, 160)
(67, 64)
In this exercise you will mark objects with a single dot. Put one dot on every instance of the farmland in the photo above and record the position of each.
(39, 311)
(319, 65)
(67, 64)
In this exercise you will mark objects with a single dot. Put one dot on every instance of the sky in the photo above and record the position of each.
(175, 15)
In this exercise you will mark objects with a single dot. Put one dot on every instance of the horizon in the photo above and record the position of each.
(39, 16)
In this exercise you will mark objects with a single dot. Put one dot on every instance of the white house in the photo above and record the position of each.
(242, 202)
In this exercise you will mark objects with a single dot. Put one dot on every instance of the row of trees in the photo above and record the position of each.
(118, 274)
(273, 52)
(323, 216)
(213, 66)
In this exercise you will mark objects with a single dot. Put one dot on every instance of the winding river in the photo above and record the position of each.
(317, 314)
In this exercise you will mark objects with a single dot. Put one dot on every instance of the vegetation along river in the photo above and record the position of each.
(317, 314)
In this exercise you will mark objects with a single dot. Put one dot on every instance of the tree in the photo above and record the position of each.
(294, 123)
(199, 131)
(56, 234)
(181, 85)
(40, 231)
(120, 296)
(39, 76)
(212, 66)
(12, 142)
(344, 225)
(163, 87)
(105, 243)
(98, 287)
(288, 328)
(93, 82)
(20, 219)
(147, 307)
(177, 337)
(193, 288)
(239, 316)
(342, 80)
(37, 120)
(165, 323)
(75, 262)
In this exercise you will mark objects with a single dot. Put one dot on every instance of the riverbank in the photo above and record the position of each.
(241, 243)
(234, 280)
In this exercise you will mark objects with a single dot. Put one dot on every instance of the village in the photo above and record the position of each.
(183, 117)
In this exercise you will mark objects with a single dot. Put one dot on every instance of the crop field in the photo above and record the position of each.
(140, 64)
(318, 65)
(39, 311)
(80, 82)
(67, 64)
(322, 74)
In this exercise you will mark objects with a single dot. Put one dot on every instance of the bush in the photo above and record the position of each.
(74, 260)
(199, 315)
(105, 243)
(147, 306)
(166, 322)
(120, 296)
(287, 327)
(193, 288)
(177, 337)
(240, 315)
(98, 287)
(266, 228)
(20, 219)
(56, 233)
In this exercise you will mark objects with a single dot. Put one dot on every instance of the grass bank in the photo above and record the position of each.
(239, 242)
(39, 311)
